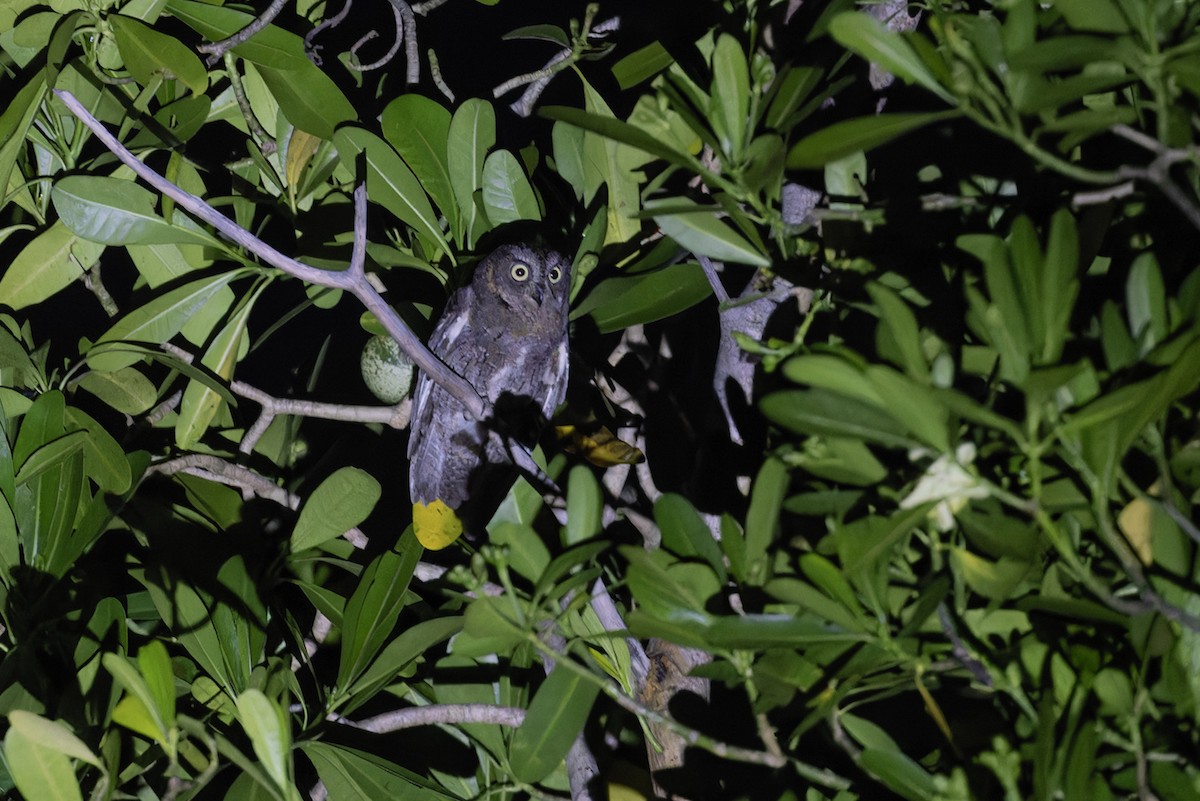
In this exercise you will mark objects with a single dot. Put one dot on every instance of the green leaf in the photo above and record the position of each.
(200, 400)
(1059, 283)
(419, 129)
(391, 183)
(15, 120)
(126, 390)
(914, 405)
(642, 64)
(373, 609)
(859, 134)
(830, 579)
(699, 229)
(527, 554)
(39, 771)
(619, 131)
(762, 518)
(103, 458)
(409, 646)
(140, 711)
(53, 735)
(351, 775)
(835, 373)
(845, 461)
(507, 195)
(338, 504)
(567, 148)
(730, 96)
(619, 302)
(792, 88)
(873, 41)
(487, 630)
(819, 411)
(150, 55)
(771, 631)
(309, 99)
(155, 666)
(155, 322)
(662, 594)
(52, 261)
(270, 735)
(684, 532)
(609, 163)
(1064, 53)
(584, 505)
(1145, 298)
(899, 773)
(570, 560)
(995, 580)
(51, 455)
(555, 718)
(1102, 16)
(160, 264)
(114, 211)
(898, 331)
(472, 134)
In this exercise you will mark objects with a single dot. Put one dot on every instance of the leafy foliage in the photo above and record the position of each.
(947, 552)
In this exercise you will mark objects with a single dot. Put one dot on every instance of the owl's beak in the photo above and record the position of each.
(537, 293)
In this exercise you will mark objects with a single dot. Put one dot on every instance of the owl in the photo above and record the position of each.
(505, 332)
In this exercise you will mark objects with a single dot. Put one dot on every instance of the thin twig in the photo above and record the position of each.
(538, 81)
(217, 49)
(396, 416)
(428, 5)
(1099, 196)
(313, 50)
(265, 141)
(437, 714)
(412, 57)
(214, 468)
(714, 280)
(1158, 171)
(94, 283)
(435, 71)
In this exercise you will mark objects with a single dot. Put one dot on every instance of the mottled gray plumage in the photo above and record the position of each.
(506, 333)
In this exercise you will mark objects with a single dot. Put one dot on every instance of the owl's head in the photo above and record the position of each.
(527, 280)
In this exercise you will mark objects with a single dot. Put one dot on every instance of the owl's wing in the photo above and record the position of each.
(449, 328)
(555, 379)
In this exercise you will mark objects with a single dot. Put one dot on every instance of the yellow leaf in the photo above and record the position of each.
(436, 525)
(300, 151)
(1134, 522)
(600, 447)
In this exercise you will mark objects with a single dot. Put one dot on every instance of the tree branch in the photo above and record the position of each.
(216, 469)
(437, 714)
(312, 49)
(396, 416)
(217, 49)
(1158, 171)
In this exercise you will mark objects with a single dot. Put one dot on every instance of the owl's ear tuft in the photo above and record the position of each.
(435, 524)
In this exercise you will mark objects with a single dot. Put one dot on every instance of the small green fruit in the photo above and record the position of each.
(386, 370)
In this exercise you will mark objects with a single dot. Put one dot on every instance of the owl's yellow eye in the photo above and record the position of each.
(520, 272)
(555, 275)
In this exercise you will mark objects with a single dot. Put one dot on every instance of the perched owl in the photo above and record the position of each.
(506, 333)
